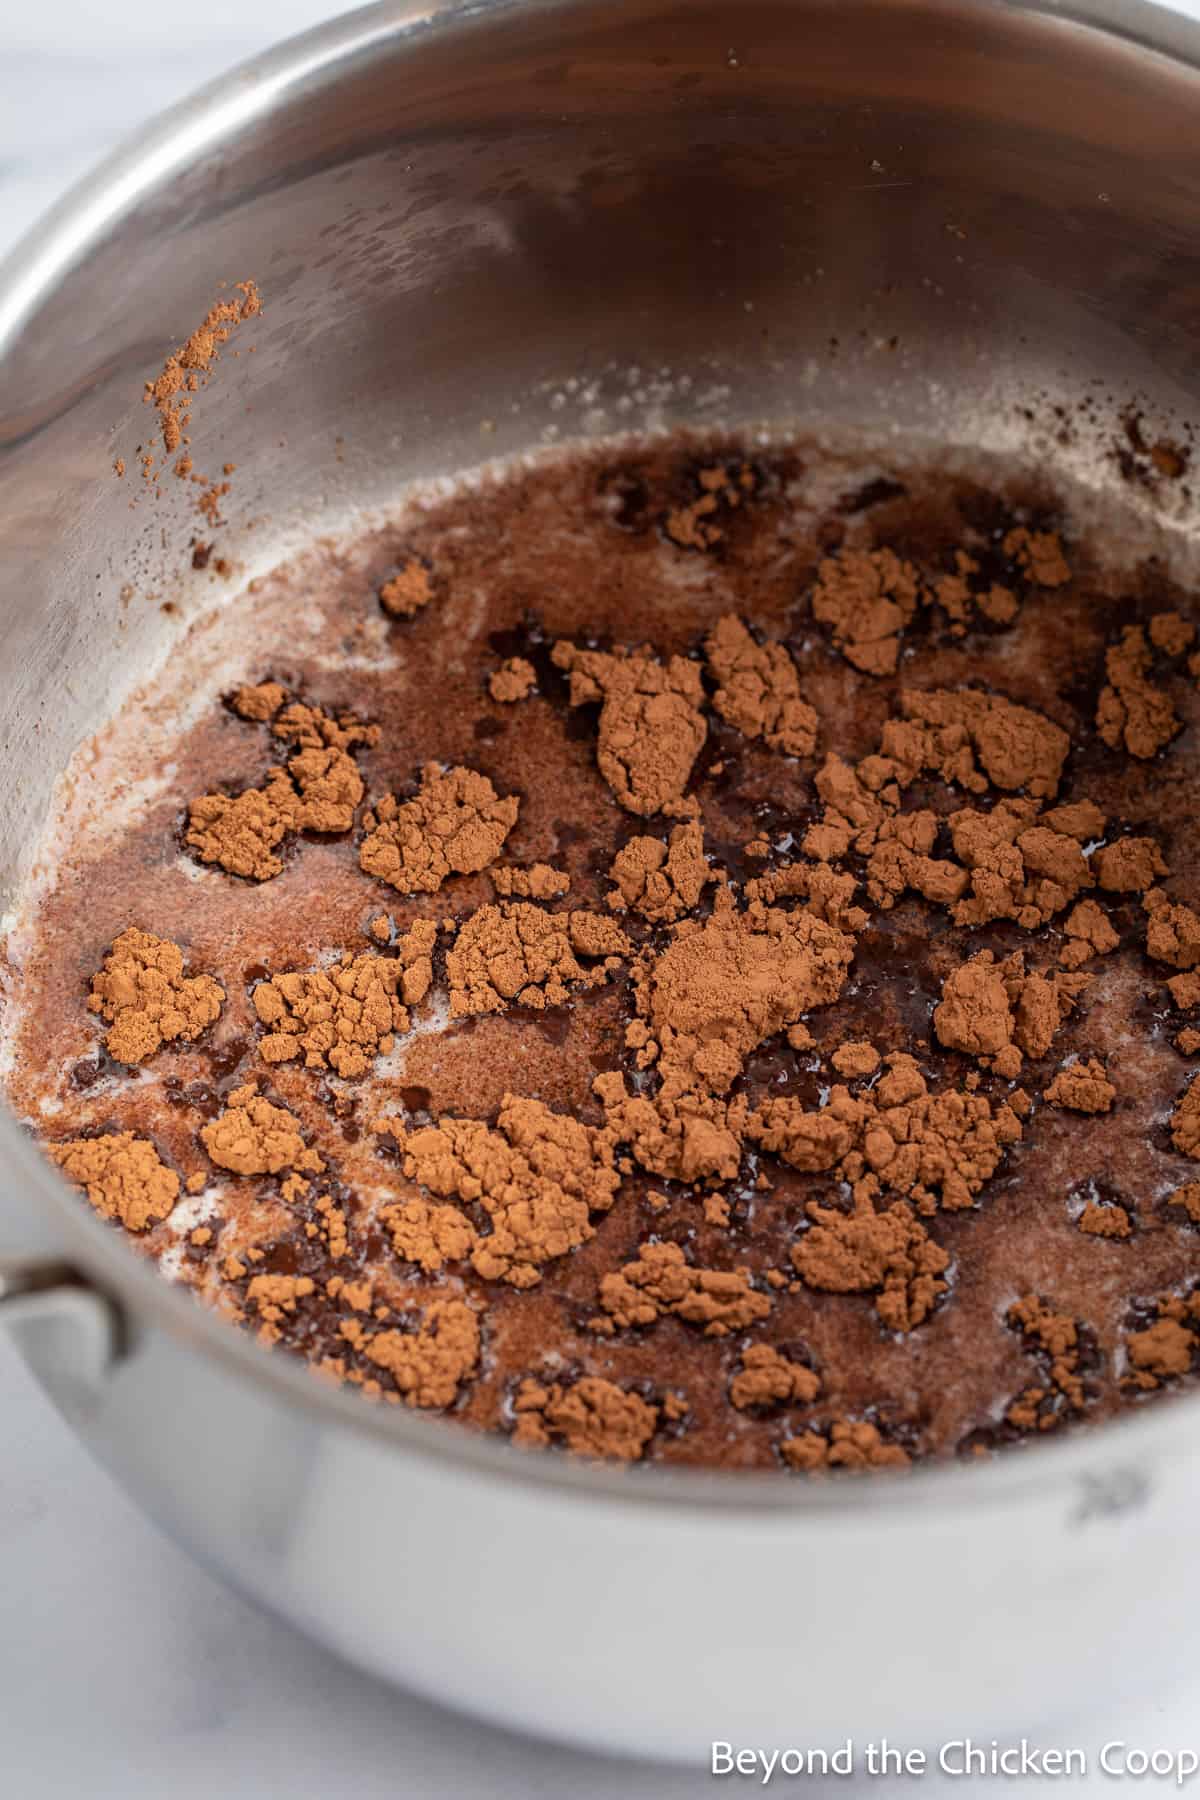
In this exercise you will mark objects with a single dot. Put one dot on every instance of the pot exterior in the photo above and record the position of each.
(479, 230)
(653, 1631)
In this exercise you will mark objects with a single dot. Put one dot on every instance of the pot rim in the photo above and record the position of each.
(41, 259)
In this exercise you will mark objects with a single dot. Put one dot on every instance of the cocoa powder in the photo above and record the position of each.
(455, 824)
(591, 1417)
(123, 1175)
(173, 391)
(651, 728)
(146, 1000)
(643, 1038)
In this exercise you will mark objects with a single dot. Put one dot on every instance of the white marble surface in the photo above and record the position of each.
(125, 1671)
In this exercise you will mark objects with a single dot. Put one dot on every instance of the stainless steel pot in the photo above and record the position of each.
(477, 226)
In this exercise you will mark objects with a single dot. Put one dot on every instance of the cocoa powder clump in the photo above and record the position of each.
(867, 597)
(430, 1363)
(253, 1137)
(342, 1017)
(854, 1060)
(146, 999)
(998, 1013)
(1111, 1221)
(1134, 712)
(901, 859)
(1187, 1199)
(1021, 867)
(961, 595)
(661, 881)
(312, 728)
(827, 892)
(1040, 555)
(1185, 989)
(766, 1378)
(318, 791)
(661, 1280)
(758, 689)
(259, 701)
(941, 733)
(1165, 1350)
(1129, 866)
(974, 1013)
(889, 1254)
(591, 1417)
(651, 727)
(242, 832)
(429, 1235)
(1055, 1340)
(1082, 1087)
(123, 1176)
(1185, 1121)
(538, 882)
(715, 992)
(722, 987)
(275, 1298)
(689, 1137)
(1016, 747)
(854, 1445)
(698, 524)
(409, 591)
(537, 1174)
(514, 680)
(933, 1149)
(519, 955)
(1172, 633)
(455, 824)
(1091, 934)
(1172, 931)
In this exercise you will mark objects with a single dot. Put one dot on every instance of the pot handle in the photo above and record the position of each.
(69, 1333)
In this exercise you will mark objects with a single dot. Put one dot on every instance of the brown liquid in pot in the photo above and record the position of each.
(1054, 1293)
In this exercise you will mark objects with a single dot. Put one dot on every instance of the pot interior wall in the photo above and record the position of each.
(476, 236)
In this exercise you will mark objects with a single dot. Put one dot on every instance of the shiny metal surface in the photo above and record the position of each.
(66, 1328)
(479, 229)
